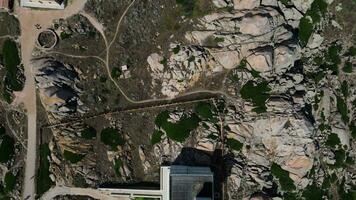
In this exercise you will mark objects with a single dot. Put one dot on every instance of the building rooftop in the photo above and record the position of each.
(177, 183)
(48, 4)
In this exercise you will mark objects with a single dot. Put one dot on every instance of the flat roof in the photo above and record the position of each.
(43, 4)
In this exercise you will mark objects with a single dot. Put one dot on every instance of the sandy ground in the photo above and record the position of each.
(28, 19)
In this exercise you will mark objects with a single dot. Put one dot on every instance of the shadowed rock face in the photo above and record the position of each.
(56, 82)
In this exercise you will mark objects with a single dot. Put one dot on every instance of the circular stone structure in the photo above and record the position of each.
(47, 39)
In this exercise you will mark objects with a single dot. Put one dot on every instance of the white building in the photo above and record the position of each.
(177, 183)
(47, 4)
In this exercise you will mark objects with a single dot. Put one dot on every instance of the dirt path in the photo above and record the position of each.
(28, 19)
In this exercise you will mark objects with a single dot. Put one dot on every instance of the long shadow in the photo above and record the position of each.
(215, 160)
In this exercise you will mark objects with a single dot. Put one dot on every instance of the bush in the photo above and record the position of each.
(72, 157)
(283, 176)
(43, 180)
(65, 35)
(333, 140)
(88, 133)
(257, 94)
(7, 150)
(305, 30)
(156, 137)
(345, 89)
(342, 108)
(10, 182)
(347, 67)
(11, 58)
(179, 131)
(194, 8)
(176, 49)
(111, 137)
(312, 192)
(204, 110)
(116, 72)
(234, 144)
(117, 166)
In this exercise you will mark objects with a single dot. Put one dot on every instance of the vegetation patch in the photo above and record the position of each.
(12, 64)
(305, 30)
(10, 182)
(317, 10)
(234, 144)
(342, 108)
(111, 137)
(180, 130)
(43, 181)
(204, 110)
(333, 140)
(345, 89)
(117, 167)
(72, 157)
(7, 148)
(340, 157)
(116, 72)
(347, 67)
(283, 176)
(79, 181)
(257, 93)
(88, 133)
(352, 128)
(313, 192)
(156, 137)
(194, 8)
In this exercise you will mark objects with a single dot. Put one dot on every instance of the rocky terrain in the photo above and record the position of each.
(281, 123)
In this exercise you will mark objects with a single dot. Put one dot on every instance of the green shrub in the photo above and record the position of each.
(65, 35)
(79, 181)
(352, 128)
(317, 10)
(340, 157)
(115, 72)
(345, 89)
(156, 137)
(10, 182)
(283, 176)
(117, 166)
(347, 67)
(11, 58)
(204, 110)
(305, 30)
(351, 51)
(43, 181)
(194, 8)
(257, 94)
(312, 192)
(7, 149)
(111, 137)
(180, 130)
(88, 133)
(333, 140)
(72, 157)
(234, 144)
(342, 108)
(176, 49)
